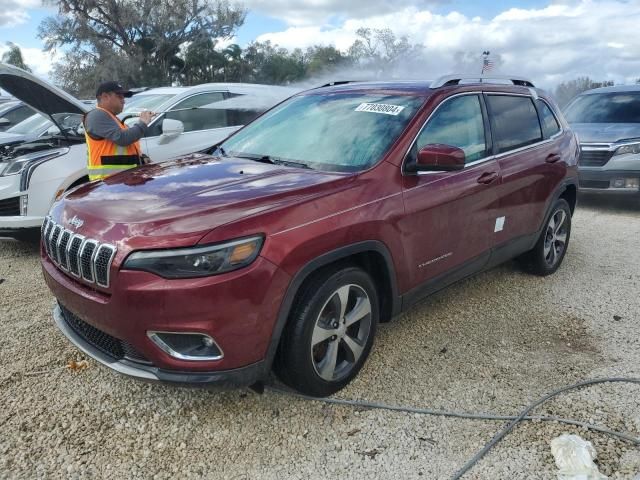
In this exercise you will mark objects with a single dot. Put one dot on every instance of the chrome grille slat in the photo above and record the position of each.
(103, 258)
(83, 258)
(74, 254)
(86, 260)
(62, 249)
(53, 243)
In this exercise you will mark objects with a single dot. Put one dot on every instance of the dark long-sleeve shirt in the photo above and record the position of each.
(99, 124)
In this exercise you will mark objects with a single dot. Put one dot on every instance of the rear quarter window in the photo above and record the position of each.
(550, 125)
(515, 121)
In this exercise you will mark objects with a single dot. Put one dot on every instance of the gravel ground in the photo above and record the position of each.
(491, 344)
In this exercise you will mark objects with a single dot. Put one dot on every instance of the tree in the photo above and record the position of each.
(148, 36)
(382, 52)
(567, 90)
(321, 59)
(14, 57)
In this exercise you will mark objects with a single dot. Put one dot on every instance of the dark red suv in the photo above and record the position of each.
(287, 244)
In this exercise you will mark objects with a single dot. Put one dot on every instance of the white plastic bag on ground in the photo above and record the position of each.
(574, 458)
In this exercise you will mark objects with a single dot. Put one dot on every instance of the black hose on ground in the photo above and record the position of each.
(524, 415)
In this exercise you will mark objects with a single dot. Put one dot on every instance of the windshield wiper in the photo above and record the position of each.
(274, 160)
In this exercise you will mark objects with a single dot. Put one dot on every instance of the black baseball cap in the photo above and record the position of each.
(115, 87)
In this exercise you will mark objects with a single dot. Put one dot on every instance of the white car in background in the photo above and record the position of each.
(190, 119)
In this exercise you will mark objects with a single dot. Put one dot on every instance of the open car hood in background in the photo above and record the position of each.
(38, 94)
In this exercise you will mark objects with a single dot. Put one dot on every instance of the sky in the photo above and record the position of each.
(549, 41)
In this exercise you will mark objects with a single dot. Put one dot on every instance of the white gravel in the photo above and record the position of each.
(490, 344)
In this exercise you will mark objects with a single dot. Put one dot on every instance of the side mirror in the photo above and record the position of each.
(437, 157)
(4, 122)
(170, 129)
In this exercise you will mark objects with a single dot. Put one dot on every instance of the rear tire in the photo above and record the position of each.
(329, 333)
(547, 255)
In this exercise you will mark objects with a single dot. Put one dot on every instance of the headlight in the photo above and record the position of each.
(17, 165)
(197, 261)
(629, 148)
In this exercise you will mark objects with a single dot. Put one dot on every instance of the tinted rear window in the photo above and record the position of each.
(605, 108)
(516, 121)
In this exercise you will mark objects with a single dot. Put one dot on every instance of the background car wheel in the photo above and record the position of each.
(545, 258)
(329, 333)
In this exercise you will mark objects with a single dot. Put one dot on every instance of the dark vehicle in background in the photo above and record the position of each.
(607, 122)
(290, 241)
(12, 113)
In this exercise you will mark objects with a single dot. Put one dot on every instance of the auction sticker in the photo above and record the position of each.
(385, 108)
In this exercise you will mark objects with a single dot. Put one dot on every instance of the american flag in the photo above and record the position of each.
(486, 65)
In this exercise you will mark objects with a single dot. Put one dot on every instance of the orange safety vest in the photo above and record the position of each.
(105, 158)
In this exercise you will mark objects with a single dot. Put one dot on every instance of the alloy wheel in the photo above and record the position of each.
(555, 240)
(341, 332)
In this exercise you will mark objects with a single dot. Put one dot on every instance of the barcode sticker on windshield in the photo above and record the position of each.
(385, 108)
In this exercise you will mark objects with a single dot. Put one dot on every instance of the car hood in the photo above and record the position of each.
(605, 132)
(38, 94)
(179, 201)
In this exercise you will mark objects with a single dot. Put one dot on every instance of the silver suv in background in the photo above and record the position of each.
(607, 122)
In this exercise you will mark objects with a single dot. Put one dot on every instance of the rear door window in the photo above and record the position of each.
(515, 121)
(550, 125)
(457, 122)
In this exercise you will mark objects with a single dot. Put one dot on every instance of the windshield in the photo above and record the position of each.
(33, 124)
(621, 107)
(344, 132)
(4, 107)
(138, 103)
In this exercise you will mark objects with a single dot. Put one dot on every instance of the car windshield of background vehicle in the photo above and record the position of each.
(337, 132)
(33, 124)
(623, 107)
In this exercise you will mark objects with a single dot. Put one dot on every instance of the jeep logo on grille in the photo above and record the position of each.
(76, 222)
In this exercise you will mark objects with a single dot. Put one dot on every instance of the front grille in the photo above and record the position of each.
(594, 158)
(10, 207)
(104, 342)
(594, 183)
(81, 257)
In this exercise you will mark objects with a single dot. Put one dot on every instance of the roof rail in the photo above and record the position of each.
(456, 79)
(337, 82)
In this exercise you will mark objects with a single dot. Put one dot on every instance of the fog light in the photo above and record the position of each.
(187, 345)
(632, 182)
(617, 183)
(24, 204)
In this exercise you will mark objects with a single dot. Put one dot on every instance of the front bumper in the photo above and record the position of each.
(237, 309)
(239, 377)
(596, 180)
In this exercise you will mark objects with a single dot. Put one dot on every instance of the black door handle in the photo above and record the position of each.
(487, 177)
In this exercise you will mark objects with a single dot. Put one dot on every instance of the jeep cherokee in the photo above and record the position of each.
(286, 245)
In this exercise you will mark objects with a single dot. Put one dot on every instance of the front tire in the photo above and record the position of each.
(547, 255)
(330, 332)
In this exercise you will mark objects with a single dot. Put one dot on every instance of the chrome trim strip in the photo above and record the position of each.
(153, 336)
(95, 353)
